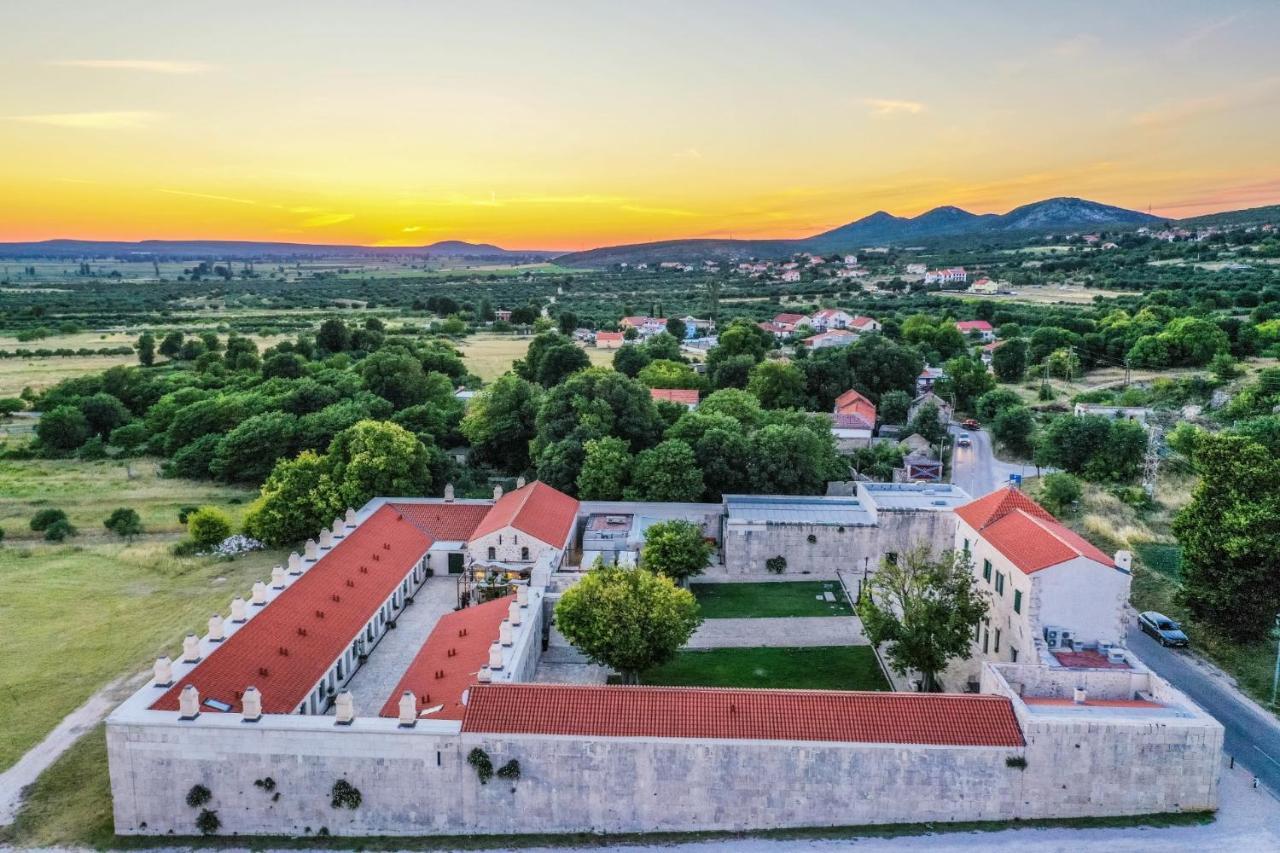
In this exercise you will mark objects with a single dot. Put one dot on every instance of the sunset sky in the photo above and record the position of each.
(563, 125)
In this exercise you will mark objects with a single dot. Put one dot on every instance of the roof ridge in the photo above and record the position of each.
(773, 691)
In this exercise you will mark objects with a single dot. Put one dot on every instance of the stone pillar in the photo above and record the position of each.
(311, 551)
(520, 482)
(497, 492)
(495, 657)
(189, 703)
(277, 577)
(259, 596)
(251, 705)
(190, 649)
(216, 632)
(351, 517)
(237, 610)
(326, 540)
(295, 563)
(506, 634)
(338, 528)
(514, 615)
(345, 708)
(163, 671)
(448, 493)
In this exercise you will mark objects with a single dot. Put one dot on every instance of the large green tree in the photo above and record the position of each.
(376, 458)
(778, 385)
(667, 472)
(501, 421)
(675, 549)
(297, 499)
(606, 469)
(924, 607)
(630, 620)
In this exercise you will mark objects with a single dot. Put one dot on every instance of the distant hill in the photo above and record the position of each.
(1251, 216)
(688, 251)
(250, 250)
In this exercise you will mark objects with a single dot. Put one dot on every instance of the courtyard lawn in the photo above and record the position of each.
(75, 617)
(766, 600)
(814, 668)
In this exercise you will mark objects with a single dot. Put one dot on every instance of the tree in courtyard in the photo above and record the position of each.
(208, 526)
(675, 549)
(924, 607)
(124, 522)
(1230, 537)
(630, 620)
(501, 421)
(146, 347)
(606, 469)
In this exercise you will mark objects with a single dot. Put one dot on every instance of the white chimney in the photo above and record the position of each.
(163, 670)
(251, 705)
(259, 594)
(1080, 696)
(190, 649)
(497, 492)
(216, 632)
(311, 551)
(495, 657)
(237, 610)
(484, 676)
(514, 616)
(522, 595)
(326, 540)
(1124, 561)
(338, 528)
(277, 577)
(189, 703)
(520, 481)
(295, 563)
(345, 708)
(408, 708)
(351, 517)
(448, 493)
(506, 634)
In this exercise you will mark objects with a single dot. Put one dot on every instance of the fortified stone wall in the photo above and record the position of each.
(747, 547)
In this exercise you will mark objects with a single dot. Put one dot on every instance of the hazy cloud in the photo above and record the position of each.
(659, 211)
(1175, 113)
(1206, 30)
(209, 196)
(688, 154)
(889, 106)
(150, 66)
(409, 229)
(326, 219)
(116, 120)
(1076, 45)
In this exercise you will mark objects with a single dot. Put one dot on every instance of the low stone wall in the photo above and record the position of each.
(835, 548)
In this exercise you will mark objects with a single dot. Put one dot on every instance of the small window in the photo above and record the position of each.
(1013, 654)
(524, 553)
(1017, 601)
(995, 648)
(999, 583)
(986, 641)
(986, 570)
(966, 546)
(493, 553)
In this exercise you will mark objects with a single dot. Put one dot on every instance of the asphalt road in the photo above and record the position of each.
(976, 468)
(1254, 739)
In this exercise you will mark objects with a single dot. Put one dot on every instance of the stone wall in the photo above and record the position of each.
(848, 548)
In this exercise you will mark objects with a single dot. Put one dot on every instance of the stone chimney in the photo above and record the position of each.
(408, 709)
(1080, 696)
(520, 482)
(311, 551)
(514, 614)
(1124, 561)
(345, 708)
(163, 671)
(497, 493)
(189, 703)
(522, 595)
(259, 594)
(506, 634)
(326, 540)
(495, 657)
(216, 628)
(351, 517)
(338, 528)
(277, 577)
(295, 563)
(448, 493)
(484, 676)
(251, 705)
(237, 610)
(190, 649)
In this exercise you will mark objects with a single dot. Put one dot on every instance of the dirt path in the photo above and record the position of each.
(28, 768)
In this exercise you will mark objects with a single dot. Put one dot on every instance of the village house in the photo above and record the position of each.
(950, 275)
(928, 376)
(984, 286)
(610, 340)
(980, 328)
(790, 275)
(645, 326)
(686, 397)
(833, 338)
(916, 269)
(853, 421)
(502, 315)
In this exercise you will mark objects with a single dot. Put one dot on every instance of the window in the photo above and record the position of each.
(966, 546)
(999, 583)
(1013, 654)
(986, 641)
(524, 553)
(493, 552)
(891, 558)
(1017, 601)
(986, 570)
(995, 648)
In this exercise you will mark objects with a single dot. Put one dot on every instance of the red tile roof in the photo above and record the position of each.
(1088, 659)
(684, 396)
(860, 321)
(700, 712)
(448, 661)
(609, 336)
(445, 522)
(789, 319)
(973, 326)
(853, 403)
(1026, 532)
(290, 645)
(537, 509)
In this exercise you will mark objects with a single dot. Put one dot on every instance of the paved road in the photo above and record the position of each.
(1252, 737)
(976, 469)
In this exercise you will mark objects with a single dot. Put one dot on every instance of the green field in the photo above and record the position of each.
(813, 668)
(490, 355)
(766, 600)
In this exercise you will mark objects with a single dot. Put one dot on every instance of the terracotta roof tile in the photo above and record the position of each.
(978, 514)
(445, 522)
(290, 645)
(537, 509)
(437, 677)
(694, 712)
(973, 326)
(684, 396)
(1026, 532)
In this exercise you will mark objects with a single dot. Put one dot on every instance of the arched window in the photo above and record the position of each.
(493, 553)
(524, 554)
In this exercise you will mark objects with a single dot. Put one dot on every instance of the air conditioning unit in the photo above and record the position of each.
(1057, 638)
(1116, 655)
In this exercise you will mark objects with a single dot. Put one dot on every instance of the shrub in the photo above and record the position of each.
(184, 513)
(1059, 491)
(198, 796)
(207, 822)
(1, 534)
(510, 771)
(208, 526)
(1016, 761)
(777, 565)
(93, 450)
(46, 517)
(59, 530)
(124, 522)
(345, 795)
(479, 759)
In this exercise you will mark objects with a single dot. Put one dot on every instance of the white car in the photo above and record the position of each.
(963, 440)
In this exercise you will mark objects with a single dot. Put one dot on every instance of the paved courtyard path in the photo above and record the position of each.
(787, 631)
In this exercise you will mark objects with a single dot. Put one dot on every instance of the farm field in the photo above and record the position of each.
(811, 668)
(1036, 294)
(765, 600)
(490, 355)
(41, 373)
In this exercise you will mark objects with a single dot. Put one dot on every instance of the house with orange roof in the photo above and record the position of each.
(522, 525)
(610, 340)
(1051, 590)
(980, 328)
(687, 397)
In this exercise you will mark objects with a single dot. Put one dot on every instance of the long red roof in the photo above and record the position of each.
(537, 509)
(286, 649)
(698, 712)
(445, 522)
(1025, 532)
(448, 661)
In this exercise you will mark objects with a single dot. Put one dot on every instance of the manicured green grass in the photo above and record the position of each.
(761, 600)
(814, 667)
(74, 617)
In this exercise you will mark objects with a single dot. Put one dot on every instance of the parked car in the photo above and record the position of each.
(970, 423)
(1162, 628)
(964, 440)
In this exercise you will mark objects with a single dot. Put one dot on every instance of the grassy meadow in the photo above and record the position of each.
(490, 355)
